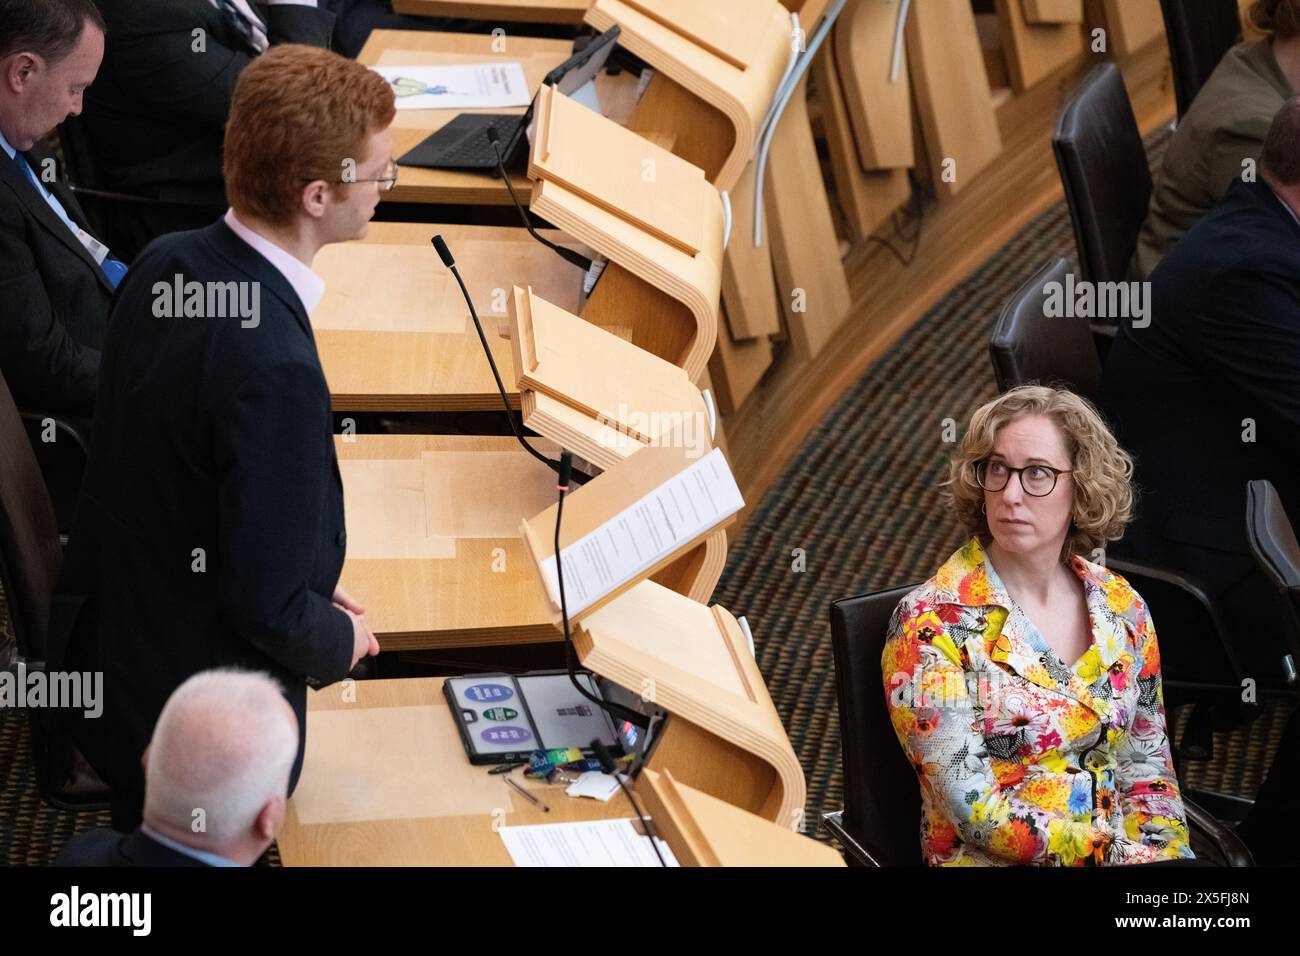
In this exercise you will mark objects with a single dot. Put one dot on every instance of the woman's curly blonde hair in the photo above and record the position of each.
(1102, 471)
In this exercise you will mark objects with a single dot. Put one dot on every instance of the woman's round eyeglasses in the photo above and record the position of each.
(1038, 481)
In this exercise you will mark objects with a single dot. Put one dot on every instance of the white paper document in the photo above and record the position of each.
(461, 87)
(588, 843)
(674, 514)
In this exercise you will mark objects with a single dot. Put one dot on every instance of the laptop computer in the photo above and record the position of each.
(463, 143)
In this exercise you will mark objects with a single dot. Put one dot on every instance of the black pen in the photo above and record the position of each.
(528, 796)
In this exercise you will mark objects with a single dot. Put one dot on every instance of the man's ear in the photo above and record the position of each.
(269, 819)
(19, 69)
(144, 758)
(315, 198)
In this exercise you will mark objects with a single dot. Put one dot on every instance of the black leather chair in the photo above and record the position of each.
(1273, 542)
(105, 208)
(880, 822)
(1104, 170)
(1029, 346)
(30, 557)
(1199, 32)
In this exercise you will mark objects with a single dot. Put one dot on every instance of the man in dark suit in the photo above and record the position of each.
(1207, 397)
(56, 277)
(217, 774)
(210, 530)
(154, 120)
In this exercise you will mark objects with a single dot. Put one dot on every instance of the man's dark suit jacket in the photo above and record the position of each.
(55, 298)
(1219, 362)
(210, 528)
(105, 847)
(155, 117)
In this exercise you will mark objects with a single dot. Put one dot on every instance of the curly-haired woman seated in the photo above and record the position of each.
(1023, 679)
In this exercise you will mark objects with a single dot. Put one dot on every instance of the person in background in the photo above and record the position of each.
(56, 278)
(216, 779)
(1023, 679)
(210, 530)
(154, 121)
(1224, 127)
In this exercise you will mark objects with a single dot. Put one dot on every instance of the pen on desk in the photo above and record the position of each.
(528, 796)
(505, 768)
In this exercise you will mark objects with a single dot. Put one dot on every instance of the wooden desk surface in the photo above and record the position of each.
(385, 782)
(428, 48)
(511, 11)
(393, 331)
(434, 551)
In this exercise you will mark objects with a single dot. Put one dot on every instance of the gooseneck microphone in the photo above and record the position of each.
(449, 261)
(607, 765)
(568, 255)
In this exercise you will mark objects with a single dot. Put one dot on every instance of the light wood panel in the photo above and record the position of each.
(705, 831)
(879, 108)
(737, 366)
(741, 95)
(804, 246)
(1133, 24)
(443, 564)
(510, 11)
(1035, 50)
(748, 284)
(1054, 11)
(364, 720)
(952, 93)
(866, 199)
(387, 343)
(725, 736)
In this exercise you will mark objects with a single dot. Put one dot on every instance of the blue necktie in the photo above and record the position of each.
(114, 269)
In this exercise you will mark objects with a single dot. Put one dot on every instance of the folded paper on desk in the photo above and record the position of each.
(459, 87)
(675, 513)
(588, 843)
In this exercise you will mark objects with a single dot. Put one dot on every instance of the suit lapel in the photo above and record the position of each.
(30, 197)
(251, 262)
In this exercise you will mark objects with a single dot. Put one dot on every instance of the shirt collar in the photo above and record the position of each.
(308, 285)
(4, 144)
(963, 580)
(211, 859)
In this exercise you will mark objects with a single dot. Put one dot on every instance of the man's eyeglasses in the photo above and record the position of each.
(1039, 481)
(386, 182)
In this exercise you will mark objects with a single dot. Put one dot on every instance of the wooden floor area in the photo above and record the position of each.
(957, 236)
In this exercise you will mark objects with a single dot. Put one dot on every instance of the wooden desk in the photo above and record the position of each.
(386, 782)
(419, 48)
(434, 549)
(393, 331)
(510, 11)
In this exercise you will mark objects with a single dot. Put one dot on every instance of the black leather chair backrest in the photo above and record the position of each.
(1199, 32)
(30, 553)
(1030, 346)
(882, 800)
(1104, 170)
(1273, 542)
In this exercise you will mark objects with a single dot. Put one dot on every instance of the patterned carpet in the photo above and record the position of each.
(859, 501)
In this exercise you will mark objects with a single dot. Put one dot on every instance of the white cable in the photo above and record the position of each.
(897, 63)
(713, 413)
(783, 97)
(726, 218)
(749, 635)
(796, 33)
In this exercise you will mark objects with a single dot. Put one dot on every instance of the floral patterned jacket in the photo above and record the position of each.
(1021, 759)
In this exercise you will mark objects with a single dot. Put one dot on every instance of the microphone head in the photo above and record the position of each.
(566, 469)
(493, 136)
(443, 252)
